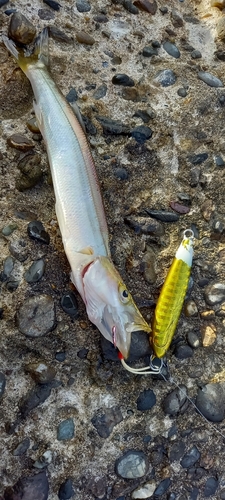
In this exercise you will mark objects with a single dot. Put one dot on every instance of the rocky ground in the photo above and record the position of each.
(150, 86)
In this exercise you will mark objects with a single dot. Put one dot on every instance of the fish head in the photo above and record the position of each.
(110, 306)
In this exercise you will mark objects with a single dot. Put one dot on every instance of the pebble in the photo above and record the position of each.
(53, 4)
(31, 171)
(183, 351)
(32, 125)
(207, 209)
(60, 356)
(162, 487)
(146, 5)
(121, 173)
(35, 271)
(22, 447)
(181, 209)
(112, 126)
(145, 225)
(166, 77)
(2, 384)
(190, 458)
(197, 159)
(144, 115)
(175, 401)
(7, 230)
(46, 14)
(130, 7)
(193, 340)
(210, 401)
(144, 491)
(149, 51)
(65, 430)
(59, 35)
(36, 316)
(69, 304)
(8, 265)
(163, 215)
(176, 19)
(214, 293)
(105, 423)
(208, 333)
(34, 398)
(66, 489)
(40, 372)
(210, 487)
(171, 49)
(3, 2)
(141, 133)
(133, 464)
(209, 79)
(72, 95)
(148, 265)
(34, 487)
(21, 30)
(19, 250)
(146, 400)
(82, 353)
(163, 10)
(83, 6)
(85, 38)
(122, 79)
(177, 451)
(219, 161)
(37, 232)
(196, 54)
(130, 94)
(19, 141)
(190, 308)
(182, 92)
(100, 92)
(97, 486)
(90, 128)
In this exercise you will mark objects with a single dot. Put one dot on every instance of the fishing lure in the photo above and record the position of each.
(169, 304)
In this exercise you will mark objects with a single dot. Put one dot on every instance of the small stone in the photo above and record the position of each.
(3, 2)
(121, 173)
(144, 115)
(163, 10)
(183, 351)
(40, 372)
(190, 458)
(33, 399)
(22, 447)
(130, 94)
(32, 125)
(90, 128)
(175, 401)
(84, 38)
(82, 353)
(144, 491)
(36, 317)
(193, 340)
(146, 400)
(46, 14)
(35, 271)
(31, 171)
(2, 384)
(19, 250)
(100, 92)
(207, 209)
(181, 209)
(176, 19)
(182, 92)
(53, 4)
(146, 5)
(8, 265)
(210, 401)
(72, 95)
(122, 79)
(83, 6)
(148, 265)
(219, 161)
(211, 486)
(166, 77)
(190, 308)
(69, 304)
(141, 133)
(21, 30)
(66, 489)
(149, 51)
(215, 293)
(19, 141)
(145, 225)
(171, 49)
(197, 159)
(196, 54)
(105, 423)
(208, 333)
(177, 451)
(34, 487)
(7, 230)
(128, 5)
(60, 356)
(220, 54)
(112, 126)
(65, 430)
(162, 487)
(163, 215)
(209, 79)
(37, 232)
(133, 464)
(59, 35)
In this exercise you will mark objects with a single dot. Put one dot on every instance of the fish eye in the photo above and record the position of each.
(124, 294)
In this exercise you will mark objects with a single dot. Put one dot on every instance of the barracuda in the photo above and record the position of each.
(79, 206)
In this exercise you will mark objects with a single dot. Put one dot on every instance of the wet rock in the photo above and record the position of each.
(85, 38)
(171, 49)
(66, 490)
(211, 486)
(133, 464)
(141, 133)
(83, 6)
(22, 447)
(65, 430)
(37, 232)
(214, 293)
(146, 5)
(128, 5)
(112, 126)
(19, 141)
(193, 340)
(100, 92)
(40, 372)
(69, 304)
(144, 491)
(182, 92)
(35, 487)
(149, 51)
(146, 400)
(53, 4)
(21, 30)
(163, 215)
(19, 250)
(162, 487)
(190, 308)
(104, 423)
(60, 356)
(210, 401)
(122, 79)
(36, 317)
(72, 95)
(59, 35)
(196, 54)
(209, 79)
(35, 271)
(176, 19)
(166, 77)
(2, 384)
(177, 451)
(7, 230)
(145, 225)
(183, 351)
(190, 458)
(34, 398)
(181, 209)
(97, 486)
(197, 159)
(175, 401)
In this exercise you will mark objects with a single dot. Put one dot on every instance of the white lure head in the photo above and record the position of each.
(110, 306)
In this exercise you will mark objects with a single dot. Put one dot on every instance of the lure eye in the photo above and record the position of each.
(124, 294)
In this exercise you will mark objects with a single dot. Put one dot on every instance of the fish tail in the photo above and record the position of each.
(25, 56)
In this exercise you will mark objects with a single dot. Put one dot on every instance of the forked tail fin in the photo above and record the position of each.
(26, 57)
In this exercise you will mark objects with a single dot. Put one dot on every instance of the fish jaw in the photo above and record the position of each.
(110, 306)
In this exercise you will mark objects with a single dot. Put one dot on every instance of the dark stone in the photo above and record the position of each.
(8, 265)
(83, 6)
(3, 2)
(53, 4)
(146, 400)
(146, 5)
(209, 79)
(121, 173)
(35, 271)
(133, 464)
(210, 401)
(104, 423)
(166, 77)
(65, 430)
(177, 451)
(59, 35)
(46, 14)
(141, 133)
(171, 49)
(2, 384)
(183, 351)
(182, 92)
(163, 215)
(34, 398)
(163, 10)
(122, 79)
(112, 126)
(162, 487)
(196, 54)
(220, 54)
(149, 51)
(175, 401)
(144, 115)
(211, 486)
(82, 353)
(89, 126)
(190, 458)
(128, 5)
(100, 92)
(101, 18)
(22, 447)
(60, 356)
(219, 161)
(37, 232)
(145, 225)
(66, 490)
(69, 304)
(72, 95)
(97, 486)
(198, 158)
(35, 487)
